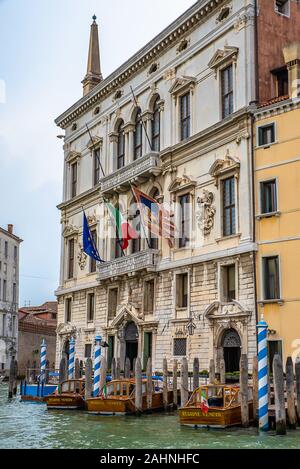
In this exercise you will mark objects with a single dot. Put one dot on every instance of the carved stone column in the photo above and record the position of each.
(113, 139)
(147, 119)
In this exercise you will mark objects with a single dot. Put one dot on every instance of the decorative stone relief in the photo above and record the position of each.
(206, 215)
(81, 257)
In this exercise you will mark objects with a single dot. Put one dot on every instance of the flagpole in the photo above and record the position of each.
(143, 123)
(100, 164)
(144, 230)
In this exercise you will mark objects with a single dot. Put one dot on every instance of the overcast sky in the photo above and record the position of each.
(43, 51)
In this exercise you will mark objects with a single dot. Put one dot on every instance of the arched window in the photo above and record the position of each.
(138, 135)
(156, 126)
(121, 146)
(153, 240)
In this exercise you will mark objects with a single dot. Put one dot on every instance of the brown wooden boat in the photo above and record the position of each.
(216, 406)
(118, 398)
(68, 396)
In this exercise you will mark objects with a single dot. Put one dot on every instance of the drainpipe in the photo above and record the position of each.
(256, 47)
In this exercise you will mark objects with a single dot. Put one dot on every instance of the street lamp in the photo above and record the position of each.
(191, 327)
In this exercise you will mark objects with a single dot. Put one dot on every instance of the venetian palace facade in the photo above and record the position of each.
(195, 87)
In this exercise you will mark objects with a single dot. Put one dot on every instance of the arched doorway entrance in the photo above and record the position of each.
(131, 335)
(231, 344)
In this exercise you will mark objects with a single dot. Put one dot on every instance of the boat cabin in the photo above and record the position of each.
(216, 396)
(125, 388)
(72, 386)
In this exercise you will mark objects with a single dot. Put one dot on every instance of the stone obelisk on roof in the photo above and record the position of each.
(93, 75)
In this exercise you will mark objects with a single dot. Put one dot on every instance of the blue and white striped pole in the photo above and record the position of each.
(71, 358)
(263, 411)
(97, 365)
(43, 361)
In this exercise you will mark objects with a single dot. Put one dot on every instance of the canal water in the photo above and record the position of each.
(26, 425)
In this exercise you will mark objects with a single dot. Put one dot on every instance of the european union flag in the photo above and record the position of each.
(89, 244)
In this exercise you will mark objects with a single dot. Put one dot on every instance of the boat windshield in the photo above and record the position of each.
(71, 386)
(119, 388)
(216, 396)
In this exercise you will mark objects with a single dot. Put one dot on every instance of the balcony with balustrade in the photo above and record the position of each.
(129, 265)
(137, 172)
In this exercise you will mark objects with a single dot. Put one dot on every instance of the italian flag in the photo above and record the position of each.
(204, 403)
(124, 230)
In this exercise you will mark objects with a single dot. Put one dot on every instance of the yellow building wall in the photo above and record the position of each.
(280, 235)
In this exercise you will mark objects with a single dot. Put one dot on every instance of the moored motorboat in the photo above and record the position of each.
(118, 398)
(216, 406)
(69, 395)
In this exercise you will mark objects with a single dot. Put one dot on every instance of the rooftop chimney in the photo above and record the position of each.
(10, 228)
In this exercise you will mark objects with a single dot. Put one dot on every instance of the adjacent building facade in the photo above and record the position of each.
(9, 296)
(277, 172)
(35, 324)
(185, 138)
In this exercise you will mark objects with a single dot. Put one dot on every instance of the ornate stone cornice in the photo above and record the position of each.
(155, 48)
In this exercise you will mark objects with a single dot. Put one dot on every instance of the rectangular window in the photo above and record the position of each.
(268, 193)
(73, 180)
(96, 166)
(274, 348)
(14, 293)
(4, 294)
(266, 135)
(14, 331)
(179, 347)
(111, 351)
(93, 265)
(15, 253)
(91, 307)
(229, 216)
(182, 290)
(112, 303)
(71, 246)
(281, 77)
(68, 306)
(88, 351)
(229, 283)
(6, 249)
(184, 224)
(282, 7)
(271, 278)
(227, 91)
(185, 116)
(149, 297)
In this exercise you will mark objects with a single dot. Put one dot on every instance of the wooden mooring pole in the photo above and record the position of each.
(165, 383)
(113, 369)
(63, 370)
(118, 368)
(290, 394)
(103, 372)
(212, 372)
(127, 368)
(222, 371)
(138, 386)
(175, 390)
(77, 369)
(11, 379)
(184, 382)
(244, 390)
(196, 369)
(88, 378)
(255, 389)
(15, 383)
(278, 379)
(297, 370)
(149, 384)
